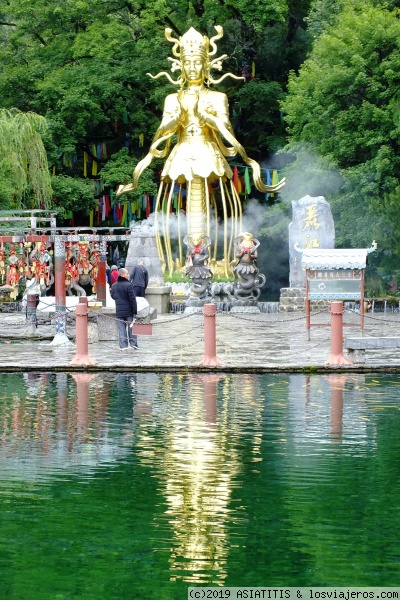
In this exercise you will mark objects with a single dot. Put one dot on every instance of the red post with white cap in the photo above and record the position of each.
(82, 355)
(337, 357)
(210, 338)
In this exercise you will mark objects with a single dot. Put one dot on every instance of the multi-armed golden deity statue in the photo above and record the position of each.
(196, 168)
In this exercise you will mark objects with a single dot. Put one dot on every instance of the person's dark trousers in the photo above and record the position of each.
(125, 333)
(139, 291)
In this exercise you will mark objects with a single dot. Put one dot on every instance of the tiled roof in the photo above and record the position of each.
(333, 258)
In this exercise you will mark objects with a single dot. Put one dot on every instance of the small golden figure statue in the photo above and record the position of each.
(198, 162)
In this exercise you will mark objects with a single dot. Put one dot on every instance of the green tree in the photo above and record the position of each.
(84, 65)
(119, 169)
(343, 105)
(72, 194)
(24, 173)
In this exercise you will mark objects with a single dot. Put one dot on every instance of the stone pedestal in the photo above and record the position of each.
(158, 297)
(245, 309)
(249, 305)
(195, 305)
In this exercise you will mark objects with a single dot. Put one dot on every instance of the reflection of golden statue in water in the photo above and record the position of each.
(197, 167)
(193, 444)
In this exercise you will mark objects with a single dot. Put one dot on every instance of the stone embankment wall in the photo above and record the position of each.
(294, 300)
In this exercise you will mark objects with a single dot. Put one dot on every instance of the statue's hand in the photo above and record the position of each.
(124, 189)
(210, 110)
(181, 109)
(181, 95)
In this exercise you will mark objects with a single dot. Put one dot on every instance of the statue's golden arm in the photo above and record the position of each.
(216, 117)
(168, 126)
(219, 110)
(145, 162)
(238, 149)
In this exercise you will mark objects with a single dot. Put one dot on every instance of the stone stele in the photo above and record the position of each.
(142, 246)
(312, 226)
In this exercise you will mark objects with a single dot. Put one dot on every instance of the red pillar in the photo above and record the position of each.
(101, 283)
(82, 356)
(337, 357)
(210, 338)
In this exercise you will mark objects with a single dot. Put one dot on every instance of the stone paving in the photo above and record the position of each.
(245, 342)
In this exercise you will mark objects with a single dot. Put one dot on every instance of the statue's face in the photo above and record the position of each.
(193, 67)
(248, 237)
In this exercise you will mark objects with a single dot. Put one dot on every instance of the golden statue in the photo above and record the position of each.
(197, 165)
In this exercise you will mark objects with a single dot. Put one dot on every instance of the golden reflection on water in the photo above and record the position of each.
(199, 465)
(195, 435)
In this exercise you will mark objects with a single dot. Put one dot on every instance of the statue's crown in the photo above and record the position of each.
(193, 43)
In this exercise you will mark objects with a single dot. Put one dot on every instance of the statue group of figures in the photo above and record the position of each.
(197, 178)
(247, 278)
(21, 263)
(31, 265)
(81, 267)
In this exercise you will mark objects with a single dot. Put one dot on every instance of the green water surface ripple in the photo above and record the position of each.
(137, 486)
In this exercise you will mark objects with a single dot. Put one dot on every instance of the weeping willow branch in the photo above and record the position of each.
(23, 157)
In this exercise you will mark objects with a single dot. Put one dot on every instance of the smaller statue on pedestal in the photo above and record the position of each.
(197, 264)
(248, 279)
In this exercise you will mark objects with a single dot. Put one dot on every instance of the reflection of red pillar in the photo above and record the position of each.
(308, 383)
(210, 338)
(82, 355)
(62, 402)
(210, 396)
(337, 383)
(82, 401)
(336, 411)
(337, 357)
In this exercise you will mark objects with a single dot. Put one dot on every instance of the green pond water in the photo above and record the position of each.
(122, 486)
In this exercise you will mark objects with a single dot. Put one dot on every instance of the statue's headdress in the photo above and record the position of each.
(192, 43)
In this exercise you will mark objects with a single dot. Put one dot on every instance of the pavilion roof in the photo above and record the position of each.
(333, 258)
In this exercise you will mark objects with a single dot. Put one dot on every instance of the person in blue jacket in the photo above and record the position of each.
(139, 278)
(123, 294)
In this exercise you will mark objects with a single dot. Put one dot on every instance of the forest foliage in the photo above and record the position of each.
(324, 104)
